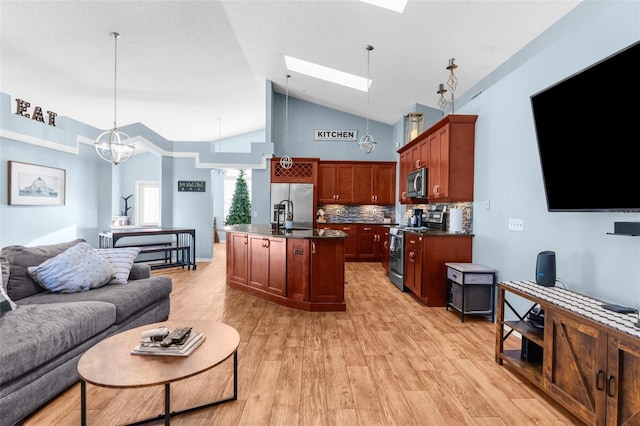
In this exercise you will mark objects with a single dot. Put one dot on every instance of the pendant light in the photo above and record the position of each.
(367, 143)
(286, 162)
(218, 172)
(113, 145)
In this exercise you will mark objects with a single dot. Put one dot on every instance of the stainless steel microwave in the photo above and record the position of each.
(417, 183)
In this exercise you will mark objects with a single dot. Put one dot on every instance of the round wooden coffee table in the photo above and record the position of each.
(111, 364)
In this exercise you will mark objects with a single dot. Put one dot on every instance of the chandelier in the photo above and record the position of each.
(113, 145)
(367, 143)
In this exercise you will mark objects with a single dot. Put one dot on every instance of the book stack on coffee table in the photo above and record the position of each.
(148, 346)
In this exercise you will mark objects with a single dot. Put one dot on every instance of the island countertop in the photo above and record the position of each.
(294, 233)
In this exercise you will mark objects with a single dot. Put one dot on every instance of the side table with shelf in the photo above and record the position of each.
(586, 357)
(471, 289)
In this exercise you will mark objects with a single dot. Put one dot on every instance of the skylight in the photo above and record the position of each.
(327, 74)
(395, 5)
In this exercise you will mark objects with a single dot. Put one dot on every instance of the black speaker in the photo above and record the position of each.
(546, 268)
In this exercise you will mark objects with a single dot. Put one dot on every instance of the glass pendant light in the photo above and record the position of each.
(113, 145)
(367, 143)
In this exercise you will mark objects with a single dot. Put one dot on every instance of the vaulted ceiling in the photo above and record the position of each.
(196, 70)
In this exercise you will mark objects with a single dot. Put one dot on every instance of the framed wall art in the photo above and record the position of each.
(33, 185)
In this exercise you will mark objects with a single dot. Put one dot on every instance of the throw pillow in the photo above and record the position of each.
(121, 259)
(6, 304)
(20, 284)
(4, 271)
(76, 269)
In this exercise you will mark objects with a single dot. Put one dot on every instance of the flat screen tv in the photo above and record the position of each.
(588, 132)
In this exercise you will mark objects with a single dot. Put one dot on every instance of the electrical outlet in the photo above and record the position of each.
(487, 204)
(516, 225)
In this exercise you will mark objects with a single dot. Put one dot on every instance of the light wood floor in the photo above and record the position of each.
(387, 360)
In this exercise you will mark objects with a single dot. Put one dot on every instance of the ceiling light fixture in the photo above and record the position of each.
(116, 147)
(218, 172)
(286, 162)
(452, 83)
(367, 143)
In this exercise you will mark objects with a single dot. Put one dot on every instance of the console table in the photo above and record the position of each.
(585, 357)
(179, 250)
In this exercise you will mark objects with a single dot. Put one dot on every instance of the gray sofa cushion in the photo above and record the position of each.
(35, 334)
(20, 283)
(128, 298)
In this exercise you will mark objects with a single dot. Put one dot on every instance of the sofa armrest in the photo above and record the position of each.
(139, 271)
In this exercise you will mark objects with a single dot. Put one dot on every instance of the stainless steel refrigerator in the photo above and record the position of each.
(295, 199)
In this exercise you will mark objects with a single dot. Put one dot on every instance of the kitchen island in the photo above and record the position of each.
(301, 268)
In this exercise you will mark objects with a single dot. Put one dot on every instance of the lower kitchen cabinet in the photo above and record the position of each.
(425, 258)
(237, 257)
(268, 264)
(365, 241)
(302, 273)
(588, 366)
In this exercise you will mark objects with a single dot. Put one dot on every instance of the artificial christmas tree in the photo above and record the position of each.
(240, 211)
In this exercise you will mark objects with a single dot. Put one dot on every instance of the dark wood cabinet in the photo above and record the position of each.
(327, 271)
(589, 367)
(405, 167)
(237, 257)
(268, 264)
(302, 273)
(413, 263)
(368, 242)
(384, 247)
(351, 243)
(447, 149)
(375, 183)
(425, 269)
(451, 162)
(335, 183)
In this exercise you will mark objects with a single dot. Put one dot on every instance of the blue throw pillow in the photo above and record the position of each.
(76, 269)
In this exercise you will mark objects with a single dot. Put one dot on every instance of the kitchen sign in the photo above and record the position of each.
(335, 135)
(191, 186)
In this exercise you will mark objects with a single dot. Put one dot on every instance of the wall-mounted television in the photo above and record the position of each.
(588, 132)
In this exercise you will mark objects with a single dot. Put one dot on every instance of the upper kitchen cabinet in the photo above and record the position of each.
(303, 170)
(335, 182)
(375, 183)
(447, 149)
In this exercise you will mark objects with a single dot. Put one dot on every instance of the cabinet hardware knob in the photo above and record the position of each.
(313, 247)
(599, 379)
(610, 385)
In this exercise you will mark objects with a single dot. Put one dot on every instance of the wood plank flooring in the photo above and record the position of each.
(387, 360)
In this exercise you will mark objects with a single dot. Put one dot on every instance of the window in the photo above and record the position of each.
(147, 204)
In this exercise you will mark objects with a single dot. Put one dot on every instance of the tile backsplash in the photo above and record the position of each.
(358, 213)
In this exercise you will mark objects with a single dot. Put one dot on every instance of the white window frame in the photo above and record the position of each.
(142, 203)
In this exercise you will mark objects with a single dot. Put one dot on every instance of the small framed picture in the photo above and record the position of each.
(33, 185)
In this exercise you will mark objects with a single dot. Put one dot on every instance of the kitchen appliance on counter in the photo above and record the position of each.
(436, 220)
(396, 257)
(292, 200)
(417, 183)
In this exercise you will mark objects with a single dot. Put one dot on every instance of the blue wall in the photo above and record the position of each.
(507, 170)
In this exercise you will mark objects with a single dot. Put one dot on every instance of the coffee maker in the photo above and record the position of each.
(418, 214)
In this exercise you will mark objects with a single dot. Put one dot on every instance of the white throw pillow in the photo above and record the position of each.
(121, 259)
(76, 269)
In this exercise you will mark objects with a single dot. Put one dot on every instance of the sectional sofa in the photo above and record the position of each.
(45, 330)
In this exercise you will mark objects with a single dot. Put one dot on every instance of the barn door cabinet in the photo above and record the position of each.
(590, 367)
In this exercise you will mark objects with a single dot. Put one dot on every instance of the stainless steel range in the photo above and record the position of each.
(396, 257)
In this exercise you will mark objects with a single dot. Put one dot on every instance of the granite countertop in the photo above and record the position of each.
(294, 233)
(428, 233)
